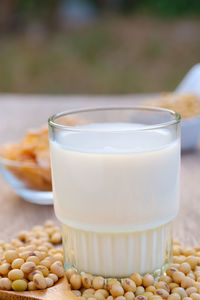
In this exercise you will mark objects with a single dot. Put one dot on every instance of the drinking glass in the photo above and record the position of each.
(115, 176)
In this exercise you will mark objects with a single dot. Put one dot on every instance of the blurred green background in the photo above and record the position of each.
(97, 46)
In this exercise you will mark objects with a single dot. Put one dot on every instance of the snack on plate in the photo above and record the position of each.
(29, 160)
(187, 105)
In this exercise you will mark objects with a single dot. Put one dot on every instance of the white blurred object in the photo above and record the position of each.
(190, 128)
(191, 82)
(190, 133)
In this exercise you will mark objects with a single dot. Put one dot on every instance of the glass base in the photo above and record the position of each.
(118, 255)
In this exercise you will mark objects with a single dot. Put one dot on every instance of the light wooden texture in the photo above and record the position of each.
(60, 291)
(19, 113)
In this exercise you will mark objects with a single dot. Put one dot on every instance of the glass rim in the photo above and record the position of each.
(176, 118)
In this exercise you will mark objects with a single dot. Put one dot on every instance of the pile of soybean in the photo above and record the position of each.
(31, 261)
(181, 281)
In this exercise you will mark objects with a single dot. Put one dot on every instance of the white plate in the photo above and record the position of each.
(190, 128)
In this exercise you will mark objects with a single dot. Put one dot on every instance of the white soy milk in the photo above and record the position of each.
(116, 192)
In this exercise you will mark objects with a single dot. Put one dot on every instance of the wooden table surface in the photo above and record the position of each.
(18, 113)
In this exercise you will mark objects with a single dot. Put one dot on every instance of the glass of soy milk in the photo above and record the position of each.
(116, 188)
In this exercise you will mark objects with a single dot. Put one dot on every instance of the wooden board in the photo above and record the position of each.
(17, 114)
(60, 291)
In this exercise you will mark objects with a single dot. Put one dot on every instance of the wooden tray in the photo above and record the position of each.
(60, 291)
